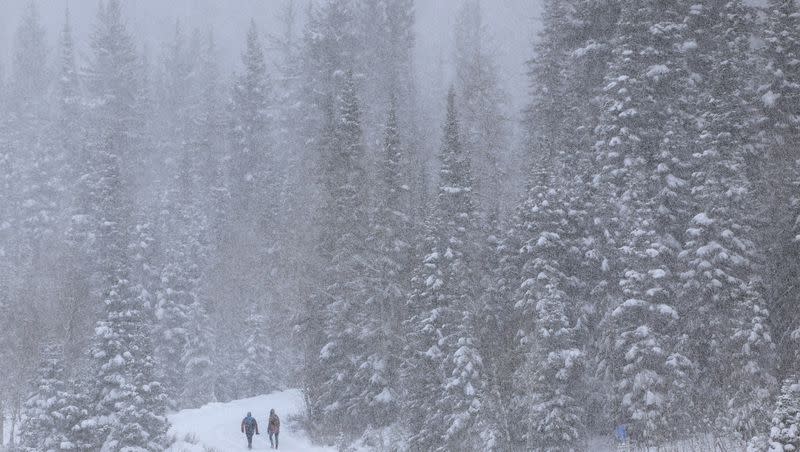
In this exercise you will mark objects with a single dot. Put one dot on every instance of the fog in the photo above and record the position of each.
(512, 24)
(446, 225)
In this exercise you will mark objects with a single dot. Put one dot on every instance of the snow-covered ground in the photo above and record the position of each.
(216, 426)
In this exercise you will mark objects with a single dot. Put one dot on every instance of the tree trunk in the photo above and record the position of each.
(2, 421)
(15, 415)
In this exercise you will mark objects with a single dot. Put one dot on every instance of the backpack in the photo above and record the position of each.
(249, 423)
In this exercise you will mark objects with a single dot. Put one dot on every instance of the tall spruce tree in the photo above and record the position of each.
(79, 310)
(346, 216)
(43, 427)
(250, 170)
(129, 403)
(786, 419)
(443, 354)
(721, 279)
(551, 376)
(497, 324)
(389, 241)
(249, 240)
(33, 202)
(780, 172)
(644, 152)
(483, 109)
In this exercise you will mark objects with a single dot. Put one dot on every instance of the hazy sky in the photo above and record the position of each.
(511, 22)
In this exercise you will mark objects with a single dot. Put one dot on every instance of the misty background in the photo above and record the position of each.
(513, 25)
(434, 225)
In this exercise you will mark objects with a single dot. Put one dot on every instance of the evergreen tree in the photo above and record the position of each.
(566, 81)
(29, 77)
(259, 372)
(444, 363)
(551, 376)
(779, 175)
(644, 152)
(784, 434)
(130, 403)
(43, 427)
(721, 280)
(82, 307)
(249, 238)
(346, 223)
(30, 176)
(482, 107)
(172, 322)
(80, 429)
(384, 34)
(251, 174)
(498, 324)
(377, 377)
(329, 51)
(197, 360)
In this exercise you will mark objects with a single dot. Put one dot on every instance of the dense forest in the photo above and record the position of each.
(173, 235)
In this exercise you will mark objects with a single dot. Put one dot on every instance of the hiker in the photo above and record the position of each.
(273, 428)
(249, 426)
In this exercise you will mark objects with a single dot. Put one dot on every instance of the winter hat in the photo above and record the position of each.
(248, 414)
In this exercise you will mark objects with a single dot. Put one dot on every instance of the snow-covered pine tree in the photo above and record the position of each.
(727, 327)
(497, 324)
(385, 33)
(250, 167)
(37, 201)
(482, 108)
(547, 73)
(376, 377)
(294, 279)
(5, 350)
(79, 310)
(180, 228)
(310, 321)
(80, 432)
(643, 151)
(43, 425)
(188, 263)
(172, 321)
(197, 360)
(550, 379)
(30, 176)
(346, 214)
(566, 78)
(56, 412)
(69, 96)
(129, 404)
(209, 122)
(249, 240)
(779, 176)
(258, 372)
(785, 431)
(29, 77)
(329, 49)
(444, 369)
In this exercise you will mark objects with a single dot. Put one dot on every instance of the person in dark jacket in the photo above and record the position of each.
(273, 428)
(249, 426)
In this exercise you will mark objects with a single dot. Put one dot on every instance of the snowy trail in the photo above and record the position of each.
(216, 426)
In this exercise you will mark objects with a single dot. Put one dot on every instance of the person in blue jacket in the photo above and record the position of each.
(249, 426)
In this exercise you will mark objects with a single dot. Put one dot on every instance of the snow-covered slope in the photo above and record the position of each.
(216, 426)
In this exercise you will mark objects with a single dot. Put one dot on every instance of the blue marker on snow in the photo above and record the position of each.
(621, 433)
